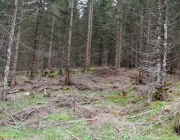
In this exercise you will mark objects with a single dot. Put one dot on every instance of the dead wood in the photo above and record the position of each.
(23, 119)
(13, 91)
(76, 138)
(14, 120)
(90, 98)
(140, 114)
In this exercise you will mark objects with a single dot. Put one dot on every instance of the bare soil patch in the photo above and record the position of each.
(104, 71)
(104, 118)
(70, 100)
(85, 82)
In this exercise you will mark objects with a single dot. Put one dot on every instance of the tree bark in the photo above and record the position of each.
(158, 44)
(165, 49)
(62, 61)
(89, 37)
(161, 61)
(109, 54)
(131, 54)
(67, 79)
(141, 41)
(100, 52)
(50, 46)
(36, 42)
(62, 52)
(148, 35)
(17, 46)
(118, 38)
(10, 44)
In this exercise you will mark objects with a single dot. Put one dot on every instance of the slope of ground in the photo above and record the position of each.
(99, 105)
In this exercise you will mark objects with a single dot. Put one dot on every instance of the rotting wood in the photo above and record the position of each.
(13, 91)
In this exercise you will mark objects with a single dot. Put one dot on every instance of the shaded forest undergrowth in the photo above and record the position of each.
(97, 106)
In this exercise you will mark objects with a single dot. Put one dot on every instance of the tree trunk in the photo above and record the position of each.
(100, 53)
(165, 49)
(117, 51)
(118, 38)
(161, 65)
(50, 46)
(158, 44)
(10, 44)
(2, 42)
(89, 37)
(36, 42)
(141, 42)
(67, 79)
(62, 60)
(131, 54)
(109, 54)
(148, 37)
(17, 46)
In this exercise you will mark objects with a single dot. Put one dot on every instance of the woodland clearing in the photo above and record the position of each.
(99, 105)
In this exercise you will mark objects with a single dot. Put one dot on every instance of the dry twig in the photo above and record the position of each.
(140, 114)
(14, 120)
(26, 116)
(73, 122)
(73, 136)
(91, 98)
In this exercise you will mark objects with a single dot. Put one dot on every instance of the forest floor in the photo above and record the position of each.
(97, 106)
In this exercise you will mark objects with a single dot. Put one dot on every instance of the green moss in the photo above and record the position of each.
(57, 117)
(92, 69)
(89, 71)
(155, 104)
(74, 71)
(123, 97)
(66, 89)
(84, 71)
(52, 73)
(117, 98)
(106, 85)
(168, 83)
(37, 74)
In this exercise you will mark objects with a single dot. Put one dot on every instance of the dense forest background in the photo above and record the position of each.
(61, 34)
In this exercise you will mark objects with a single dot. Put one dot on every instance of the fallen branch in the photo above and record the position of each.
(118, 130)
(13, 91)
(73, 136)
(26, 116)
(14, 120)
(73, 122)
(141, 114)
(17, 117)
(39, 103)
(90, 98)
(64, 123)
